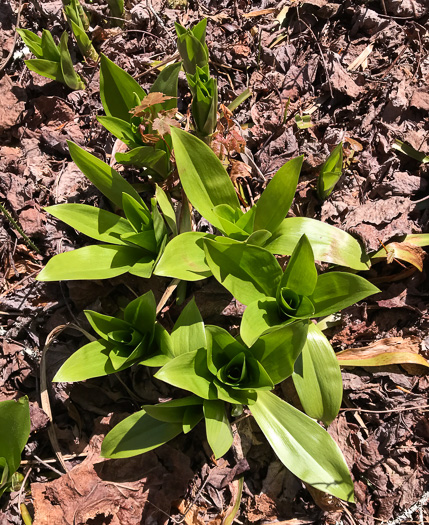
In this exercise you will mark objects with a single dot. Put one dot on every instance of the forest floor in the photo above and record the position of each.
(298, 58)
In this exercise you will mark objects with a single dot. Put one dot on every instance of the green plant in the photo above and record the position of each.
(330, 172)
(211, 192)
(134, 243)
(14, 433)
(135, 338)
(53, 61)
(194, 54)
(142, 121)
(116, 8)
(79, 24)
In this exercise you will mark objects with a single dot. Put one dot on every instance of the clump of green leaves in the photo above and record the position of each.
(132, 244)
(135, 337)
(53, 61)
(193, 50)
(79, 24)
(142, 121)
(14, 433)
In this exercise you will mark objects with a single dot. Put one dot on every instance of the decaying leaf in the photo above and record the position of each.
(164, 120)
(389, 351)
(150, 100)
(239, 169)
(404, 251)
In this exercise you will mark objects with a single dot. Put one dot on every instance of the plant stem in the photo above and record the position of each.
(17, 227)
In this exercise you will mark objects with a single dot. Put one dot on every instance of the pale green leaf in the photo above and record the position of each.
(166, 208)
(218, 429)
(71, 78)
(188, 333)
(14, 431)
(301, 273)
(303, 446)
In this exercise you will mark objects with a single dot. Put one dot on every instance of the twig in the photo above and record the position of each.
(17, 227)
(18, 283)
(22, 508)
(167, 294)
(425, 408)
(163, 63)
(47, 465)
(9, 56)
(407, 514)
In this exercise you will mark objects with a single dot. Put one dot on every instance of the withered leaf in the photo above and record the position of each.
(150, 100)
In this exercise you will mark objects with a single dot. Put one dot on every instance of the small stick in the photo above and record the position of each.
(10, 54)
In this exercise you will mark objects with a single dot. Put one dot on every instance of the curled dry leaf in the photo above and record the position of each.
(150, 100)
(389, 351)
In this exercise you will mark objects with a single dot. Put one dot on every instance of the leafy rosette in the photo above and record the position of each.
(128, 244)
(137, 338)
(274, 298)
(229, 371)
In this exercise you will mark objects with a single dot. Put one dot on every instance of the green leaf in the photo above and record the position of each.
(303, 446)
(173, 411)
(188, 333)
(260, 316)
(189, 371)
(137, 213)
(32, 41)
(248, 272)
(317, 377)
(329, 244)
(166, 83)
(337, 290)
(330, 172)
(184, 258)
(204, 179)
(143, 267)
(277, 197)
(301, 273)
(98, 224)
(121, 129)
(83, 41)
(141, 313)
(104, 324)
(408, 150)
(101, 261)
(92, 360)
(218, 429)
(138, 434)
(105, 178)
(14, 431)
(154, 160)
(278, 350)
(166, 208)
(46, 68)
(49, 48)
(117, 90)
(71, 78)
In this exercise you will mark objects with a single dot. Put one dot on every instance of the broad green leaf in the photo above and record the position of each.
(138, 434)
(143, 267)
(159, 227)
(188, 333)
(408, 150)
(145, 240)
(330, 172)
(104, 324)
(117, 90)
(218, 429)
(248, 272)
(105, 178)
(173, 411)
(83, 41)
(166, 208)
(71, 78)
(154, 160)
(317, 377)
(49, 48)
(278, 350)
(92, 360)
(189, 371)
(46, 68)
(260, 316)
(329, 244)
(337, 290)
(98, 224)
(259, 238)
(32, 41)
(141, 313)
(121, 129)
(101, 261)
(301, 274)
(303, 446)
(166, 82)
(204, 179)
(184, 258)
(275, 201)
(14, 431)
(137, 213)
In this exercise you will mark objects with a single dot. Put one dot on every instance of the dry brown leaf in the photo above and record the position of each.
(239, 169)
(406, 251)
(162, 124)
(389, 351)
(150, 100)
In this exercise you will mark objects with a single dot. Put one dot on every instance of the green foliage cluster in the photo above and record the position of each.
(278, 338)
(79, 24)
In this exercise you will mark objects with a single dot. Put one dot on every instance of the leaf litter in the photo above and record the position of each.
(361, 72)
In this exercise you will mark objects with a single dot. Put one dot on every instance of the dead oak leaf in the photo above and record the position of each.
(163, 123)
(150, 100)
